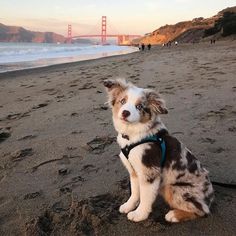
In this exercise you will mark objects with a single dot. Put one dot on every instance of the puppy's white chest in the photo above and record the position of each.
(134, 160)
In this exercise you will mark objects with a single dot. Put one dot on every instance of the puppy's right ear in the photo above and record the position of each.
(114, 88)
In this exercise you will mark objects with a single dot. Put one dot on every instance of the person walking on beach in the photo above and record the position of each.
(149, 46)
(143, 46)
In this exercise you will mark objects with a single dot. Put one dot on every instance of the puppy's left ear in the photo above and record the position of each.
(156, 103)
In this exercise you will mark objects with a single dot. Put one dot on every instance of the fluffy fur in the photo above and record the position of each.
(183, 182)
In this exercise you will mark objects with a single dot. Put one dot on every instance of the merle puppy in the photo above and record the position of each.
(156, 161)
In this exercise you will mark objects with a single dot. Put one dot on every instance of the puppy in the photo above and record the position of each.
(156, 161)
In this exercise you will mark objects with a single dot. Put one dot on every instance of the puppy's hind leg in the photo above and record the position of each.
(186, 206)
(177, 215)
(132, 203)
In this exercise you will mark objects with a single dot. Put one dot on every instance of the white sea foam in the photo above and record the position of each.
(15, 56)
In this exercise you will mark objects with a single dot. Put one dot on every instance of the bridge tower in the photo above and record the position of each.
(69, 34)
(104, 30)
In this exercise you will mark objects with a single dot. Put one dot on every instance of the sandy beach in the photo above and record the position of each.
(60, 173)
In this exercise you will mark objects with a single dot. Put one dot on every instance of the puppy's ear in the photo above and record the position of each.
(155, 102)
(115, 84)
(114, 88)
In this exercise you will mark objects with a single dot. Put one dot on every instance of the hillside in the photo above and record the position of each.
(225, 25)
(20, 34)
(189, 31)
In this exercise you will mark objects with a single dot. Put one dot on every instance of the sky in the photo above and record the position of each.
(123, 16)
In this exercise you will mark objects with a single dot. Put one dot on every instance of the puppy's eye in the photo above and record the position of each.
(122, 101)
(139, 107)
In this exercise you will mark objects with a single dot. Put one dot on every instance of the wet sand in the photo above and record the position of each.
(60, 173)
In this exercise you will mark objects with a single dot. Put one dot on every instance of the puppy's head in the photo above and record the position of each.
(131, 104)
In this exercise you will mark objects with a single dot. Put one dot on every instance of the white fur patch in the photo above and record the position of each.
(170, 216)
(133, 94)
(137, 215)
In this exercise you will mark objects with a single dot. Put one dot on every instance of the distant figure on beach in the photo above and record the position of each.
(149, 46)
(143, 46)
(168, 44)
(213, 41)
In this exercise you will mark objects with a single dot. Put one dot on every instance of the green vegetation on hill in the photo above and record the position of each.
(226, 25)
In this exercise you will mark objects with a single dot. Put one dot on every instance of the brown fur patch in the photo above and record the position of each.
(173, 153)
(155, 103)
(114, 89)
(167, 193)
(145, 113)
(117, 105)
(184, 215)
(133, 174)
(152, 156)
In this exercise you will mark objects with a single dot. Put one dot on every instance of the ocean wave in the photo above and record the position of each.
(31, 50)
(29, 55)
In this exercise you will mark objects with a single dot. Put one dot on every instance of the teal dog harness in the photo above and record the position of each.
(150, 139)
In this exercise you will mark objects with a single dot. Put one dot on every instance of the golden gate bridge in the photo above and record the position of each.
(121, 38)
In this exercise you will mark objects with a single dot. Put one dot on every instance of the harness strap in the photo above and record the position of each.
(151, 139)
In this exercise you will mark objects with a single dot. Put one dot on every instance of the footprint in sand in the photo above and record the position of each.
(40, 105)
(232, 129)
(74, 114)
(50, 91)
(15, 116)
(207, 140)
(101, 108)
(151, 86)
(32, 195)
(26, 137)
(98, 144)
(87, 86)
(21, 154)
(217, 150)
(4, 135)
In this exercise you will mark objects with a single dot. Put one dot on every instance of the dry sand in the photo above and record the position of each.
(59, 169)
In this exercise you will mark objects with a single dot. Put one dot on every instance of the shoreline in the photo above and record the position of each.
(60, 65)
(46, 60)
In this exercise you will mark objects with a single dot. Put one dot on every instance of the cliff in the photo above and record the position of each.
(189, 31)
(225, 25)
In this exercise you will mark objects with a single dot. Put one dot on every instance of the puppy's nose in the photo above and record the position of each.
(125, 113)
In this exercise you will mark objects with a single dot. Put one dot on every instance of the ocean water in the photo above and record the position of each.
(18, 56)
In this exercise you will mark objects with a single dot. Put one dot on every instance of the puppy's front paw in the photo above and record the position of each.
(126, 208)
(170, 216)
(137, 216)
